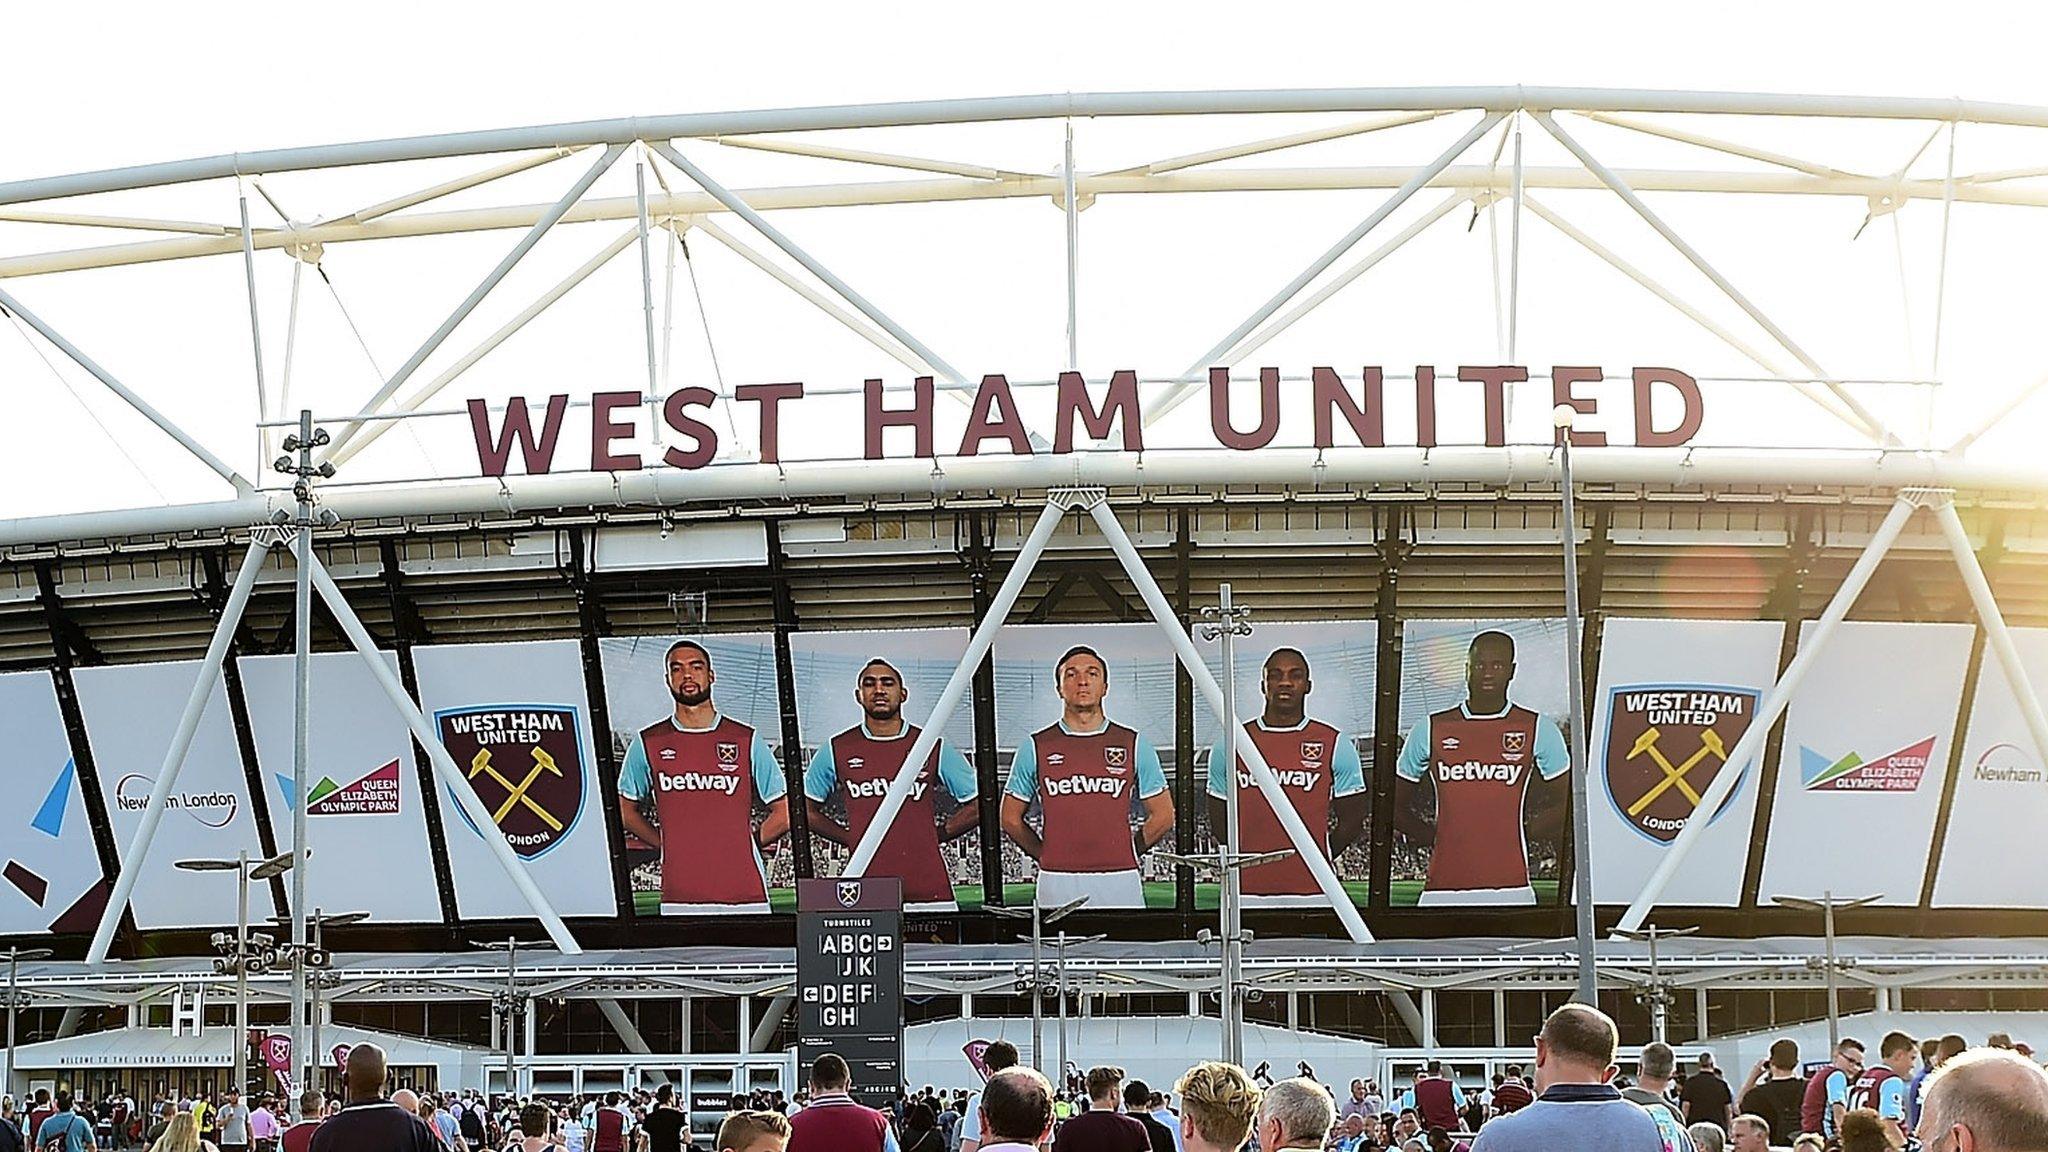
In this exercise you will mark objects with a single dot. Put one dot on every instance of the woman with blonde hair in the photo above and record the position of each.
(182, 1135)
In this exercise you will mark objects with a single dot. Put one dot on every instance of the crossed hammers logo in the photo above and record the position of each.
(1674, 774)
(515, 794)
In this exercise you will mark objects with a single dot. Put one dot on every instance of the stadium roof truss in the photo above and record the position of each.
(687, 196)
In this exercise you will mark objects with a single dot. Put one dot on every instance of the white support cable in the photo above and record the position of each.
(459, 184)
(204, 681)
(78, 398)
(646, 275)
(468, 360)
(1515, 258)
(185, 439)
(725, 395)
(876, 159)
(817, 299)
(291, 344)
(1750, 747)
(1073, 233)
(540, 228)
(255, 333)
(1715, 144)
(668, 296)
(2018, 400)
(1870, 425)
(126, 223)
(444, 766)
(1276, 144)
(1500, 322)
(1415, 183)
(1948, 203)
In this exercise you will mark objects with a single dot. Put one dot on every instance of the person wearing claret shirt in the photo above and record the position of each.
(703, 773)
(858, 765)
(1084, 771)
(1318, 769)
(1479, 756)
(1882, 1087)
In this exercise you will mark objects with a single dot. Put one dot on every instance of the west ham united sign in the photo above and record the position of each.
(525, 762)
(1665, 744)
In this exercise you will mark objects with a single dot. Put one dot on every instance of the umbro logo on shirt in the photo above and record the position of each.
(1056, 758)
(668, 753)
(1450, 741)
(856, 761)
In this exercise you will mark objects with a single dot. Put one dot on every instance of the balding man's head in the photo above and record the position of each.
(1576, 1047)
(1997, 1097)
(366, 1072)
(1016, 1106)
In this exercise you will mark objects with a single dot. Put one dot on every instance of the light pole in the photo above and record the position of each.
(1658, 996)
(1034, 984)
(1826, 906)
(15, 955)
(1582, 839)
(318, 960)
(509, 1001)
(1060, 977)
(242, 957)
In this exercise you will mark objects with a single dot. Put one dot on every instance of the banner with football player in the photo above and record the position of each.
(1479, 798)
(47, 857)
(1085, 718)
(1672, 699)
(516, 720)
(1866, 747)
(2001, 793)
(697, 731)
(861, 699)
(1304, 692)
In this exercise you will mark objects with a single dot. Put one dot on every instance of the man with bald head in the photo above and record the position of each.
(1985, 1100)
(1577, 1105)
(368, 1122)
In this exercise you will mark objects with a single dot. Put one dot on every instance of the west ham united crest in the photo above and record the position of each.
(525, 762)
(1665, 745)
(849, 893)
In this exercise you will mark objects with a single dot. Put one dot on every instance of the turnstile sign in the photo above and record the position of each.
(849, 974)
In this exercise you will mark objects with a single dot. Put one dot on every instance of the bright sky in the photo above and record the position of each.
(1163, 277)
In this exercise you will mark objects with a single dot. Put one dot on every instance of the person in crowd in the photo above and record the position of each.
(1827, 1090)
(182, 1135)
(1985, 1100)
(536, 1123)
(1295, 1113)
(1882, 1087)
(834, 1122)
(1706, 1137)
(1809, 1142)
(1436, 1098)
(1944, 1050)
(473, 1121)
(1138, 1097)
(11, 1139)
(38, 1112)
(1512, 1093)
(1652, 1090)
(1473, 1114)
(1749, 1133)
(312, 1113)
(1576, 1107)
(999, 1055)
(368, 1122)
(608, 1125)
(1358, 1104)
(165, 1112)
(1354, 1134)
(1218, 1103)
(263, 1126)
(1159, 1107)
(1440, 1140)
(232, 1122)
(921, 1129)
(67, 1125)
(1016, 1110)
(1102, 1128)
(665, 1124)
(1864, 1131)
(1774, 1091)
(1706, 1097)
(753, 1131)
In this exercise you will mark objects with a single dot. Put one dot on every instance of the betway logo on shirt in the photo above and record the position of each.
(1475, 770)
(875, 789)
(1084, 786)
(725, 782)
(1306, 781)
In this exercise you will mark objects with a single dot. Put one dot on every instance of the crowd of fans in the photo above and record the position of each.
(1940, 1095)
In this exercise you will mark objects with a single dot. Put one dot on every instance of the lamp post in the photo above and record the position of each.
(1060, 978)
(1826, 906)
(1658, 996)
(15, 955)
(1582, 841)
(318, 961)
(242, 957)
(1034, 984)
(509, 1001)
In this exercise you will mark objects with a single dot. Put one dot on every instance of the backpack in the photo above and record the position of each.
(54, 1136)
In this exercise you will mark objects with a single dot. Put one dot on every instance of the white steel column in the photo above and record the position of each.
(206, 456)
(255, 339)
(540, 228)
(181, 742)
(444, 765)
(646, 276)
(1205, 682)
(1751, 745)
(956, 687)
(1993, 620)
(1073, 257)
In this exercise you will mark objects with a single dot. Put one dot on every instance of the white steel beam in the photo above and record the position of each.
(255, 334)
(1276, 144)
(811, 264)
(646, 277)
(1993, 620)
(127, 223)
(206, 455)
(476, 295)
(1871, 425)
(818, 299)
(444, 766)
(877, 159)
(1750, 747)
(1421, 177)
(1716, 144)
(203, 683)
(418, 399)
(459, 184)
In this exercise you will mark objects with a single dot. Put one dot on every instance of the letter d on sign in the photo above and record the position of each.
(1694, 409)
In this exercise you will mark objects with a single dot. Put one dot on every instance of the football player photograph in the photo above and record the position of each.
(703, 774)
(856, 767)
(1084, 770)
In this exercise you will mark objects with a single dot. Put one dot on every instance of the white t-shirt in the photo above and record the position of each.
(970, 1124)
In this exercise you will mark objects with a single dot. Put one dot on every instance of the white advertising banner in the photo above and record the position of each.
(130, 714)
(364, 819)
(1673, 698)
(516, 720)
(2001, 801)
(47, 857)
(1860, 775)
